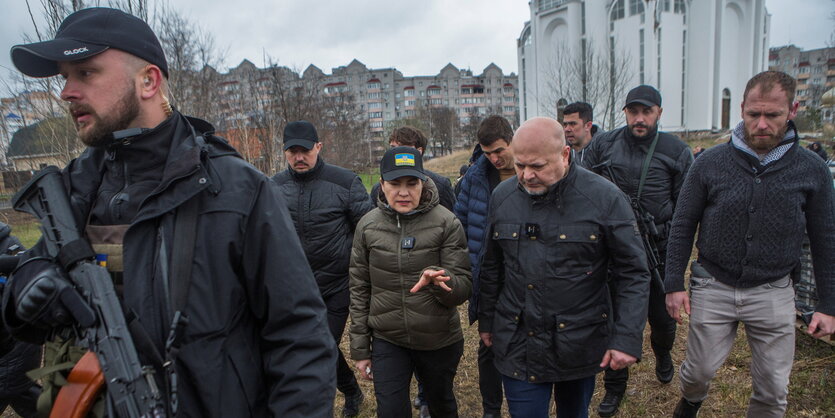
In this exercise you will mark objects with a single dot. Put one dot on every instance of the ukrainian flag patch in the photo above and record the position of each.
(404, 159)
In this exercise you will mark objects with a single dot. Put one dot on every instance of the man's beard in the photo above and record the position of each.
(535, 193)
(530, 192)
(124, 113)
(650, 130)
(763, 146)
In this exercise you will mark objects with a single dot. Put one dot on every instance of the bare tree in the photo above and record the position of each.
(470, 127)
(444, 128)
(593, 75)
(192, 57)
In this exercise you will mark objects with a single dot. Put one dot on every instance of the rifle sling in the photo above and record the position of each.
(185, 237)
(645, 167)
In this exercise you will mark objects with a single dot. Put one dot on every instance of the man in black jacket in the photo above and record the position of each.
(256, 342)
(407, 136)
(579, 129)
(325, 203)
(751, 199)
(554, 231)
(16, 357)
(649, 166)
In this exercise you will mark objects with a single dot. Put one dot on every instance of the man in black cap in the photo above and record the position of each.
(325, 203)
(256, 341)
(649, 166)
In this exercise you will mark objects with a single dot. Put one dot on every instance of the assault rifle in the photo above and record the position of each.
(646, 226)
(131, 389)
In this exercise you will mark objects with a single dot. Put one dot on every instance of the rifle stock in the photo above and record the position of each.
(132, 391)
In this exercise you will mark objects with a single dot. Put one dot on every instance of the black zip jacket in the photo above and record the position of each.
(325, 204)
(667, 169)
(544, 295)
(257, 343)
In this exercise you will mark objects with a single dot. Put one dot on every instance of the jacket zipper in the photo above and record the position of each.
(402, 279)
(300, 214)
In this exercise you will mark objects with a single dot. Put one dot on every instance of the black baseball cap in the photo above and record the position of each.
(400, 162)
(645, 95)
(88, 32)
(300, 133)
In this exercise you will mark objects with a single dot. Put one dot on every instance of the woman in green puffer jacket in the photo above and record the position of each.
(409, 272)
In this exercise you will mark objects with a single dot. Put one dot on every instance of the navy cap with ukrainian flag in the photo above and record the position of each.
(401, 162)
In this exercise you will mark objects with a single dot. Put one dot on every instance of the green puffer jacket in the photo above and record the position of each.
(382, 273)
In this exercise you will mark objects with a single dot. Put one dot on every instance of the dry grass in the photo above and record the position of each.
(810, 389)
(448, 165)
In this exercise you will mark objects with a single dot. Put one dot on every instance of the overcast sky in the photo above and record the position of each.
(416, 37)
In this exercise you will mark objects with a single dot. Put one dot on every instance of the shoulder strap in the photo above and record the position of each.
(645, 168)
(185, 237)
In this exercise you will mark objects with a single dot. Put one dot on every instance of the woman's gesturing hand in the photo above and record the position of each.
(436, 277)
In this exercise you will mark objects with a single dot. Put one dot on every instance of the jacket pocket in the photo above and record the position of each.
(575, 249)
(505, 328)
(507, 236)
(246, 381)
(581, 339)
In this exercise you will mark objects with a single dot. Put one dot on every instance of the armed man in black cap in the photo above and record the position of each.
(255, 342)
(649, 166)
(325, 202)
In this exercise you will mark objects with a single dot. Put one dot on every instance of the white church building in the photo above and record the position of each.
(698, 53)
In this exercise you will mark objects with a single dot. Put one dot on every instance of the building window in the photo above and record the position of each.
(435, 101)
(375, 95)
(526, 37)
(679, 7)
(658, 57)
(545, 5)
(664, 5)
(635, 7)
(434, 91)
(409, 103)
(641, 59)
(618, 11)
(374, 85)
(376, 124)
(375, 105)
(375, 115)
(583, 17)
(409, 92)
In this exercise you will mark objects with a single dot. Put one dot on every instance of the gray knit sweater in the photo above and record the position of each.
(751, 223)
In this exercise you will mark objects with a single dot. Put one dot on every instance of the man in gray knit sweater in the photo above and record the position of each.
(751, 200)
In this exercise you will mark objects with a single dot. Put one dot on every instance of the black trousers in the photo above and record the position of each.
(489, 381)
(337, 305)
(16, 390)
(392, 367)
(662, 336)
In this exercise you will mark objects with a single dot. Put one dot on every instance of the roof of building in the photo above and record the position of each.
(48, 136)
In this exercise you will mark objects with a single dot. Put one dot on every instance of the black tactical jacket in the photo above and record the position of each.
(667, 169)
(325, 203)
(543, 278)
(257, 343)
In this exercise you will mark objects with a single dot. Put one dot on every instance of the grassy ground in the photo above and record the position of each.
(810, 390)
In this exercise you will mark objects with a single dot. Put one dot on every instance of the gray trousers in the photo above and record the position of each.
(767, 311)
